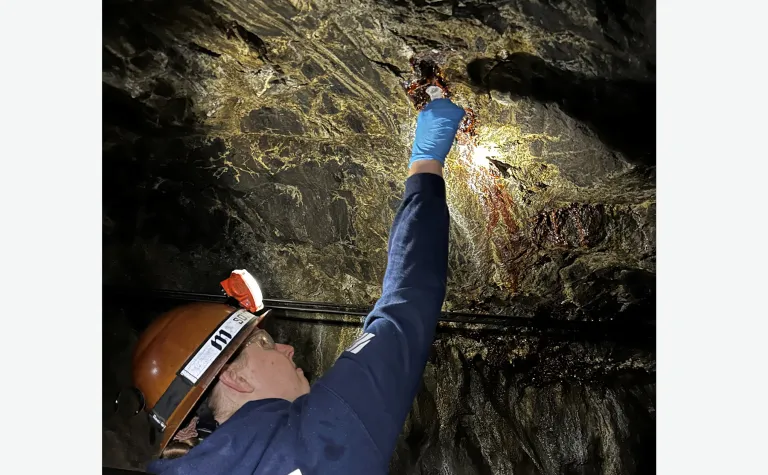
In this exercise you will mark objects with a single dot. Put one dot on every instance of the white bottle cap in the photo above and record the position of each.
(434, 92)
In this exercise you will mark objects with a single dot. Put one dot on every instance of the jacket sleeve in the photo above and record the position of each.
(377, 377)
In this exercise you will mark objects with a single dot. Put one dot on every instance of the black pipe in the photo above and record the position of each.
(329, 311)
(607, 330)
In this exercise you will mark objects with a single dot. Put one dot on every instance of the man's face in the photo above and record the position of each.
(270, 368)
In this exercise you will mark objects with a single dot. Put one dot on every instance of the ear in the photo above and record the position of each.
(234, 380)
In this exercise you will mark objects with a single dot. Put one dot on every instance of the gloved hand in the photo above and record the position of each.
(436, 128)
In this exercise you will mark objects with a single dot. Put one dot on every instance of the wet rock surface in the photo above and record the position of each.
(273, 136)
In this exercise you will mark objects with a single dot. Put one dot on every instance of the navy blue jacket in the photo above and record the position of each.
(350, 420)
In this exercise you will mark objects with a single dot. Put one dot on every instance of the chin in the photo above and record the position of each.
(302, 376)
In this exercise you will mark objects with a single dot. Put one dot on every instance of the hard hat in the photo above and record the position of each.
(180, 354)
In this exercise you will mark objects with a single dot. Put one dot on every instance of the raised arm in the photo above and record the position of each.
(377, 376)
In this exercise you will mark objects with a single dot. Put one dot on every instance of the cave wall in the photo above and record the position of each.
(274, 135)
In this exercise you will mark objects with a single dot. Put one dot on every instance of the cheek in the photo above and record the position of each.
(277, 364)
(273, 369)
(260, 367)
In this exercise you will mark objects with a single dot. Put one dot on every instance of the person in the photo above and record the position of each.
(248, 409)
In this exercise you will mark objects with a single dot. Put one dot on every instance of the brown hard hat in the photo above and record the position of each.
(181, 353)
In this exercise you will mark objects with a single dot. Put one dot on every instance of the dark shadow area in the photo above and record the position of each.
(149, 168)
(622, 113)
(157, 186)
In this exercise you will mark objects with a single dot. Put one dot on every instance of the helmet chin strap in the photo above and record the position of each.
(206, 423)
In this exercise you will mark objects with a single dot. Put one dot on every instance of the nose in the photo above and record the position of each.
(287, 350)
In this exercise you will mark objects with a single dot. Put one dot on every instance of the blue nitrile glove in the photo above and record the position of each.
(436, 128)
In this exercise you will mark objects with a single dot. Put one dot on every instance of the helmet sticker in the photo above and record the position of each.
(211, 349)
